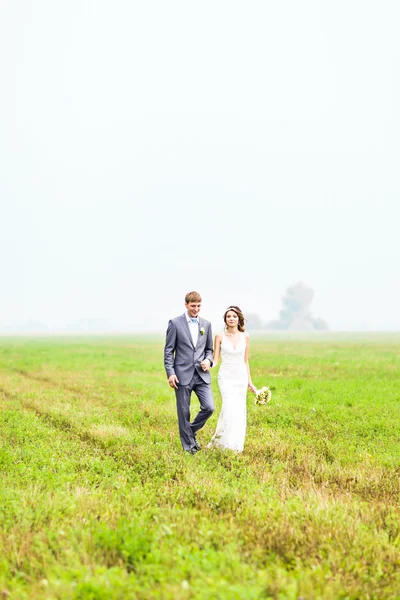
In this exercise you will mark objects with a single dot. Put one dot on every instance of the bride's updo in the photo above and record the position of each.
(239, 313)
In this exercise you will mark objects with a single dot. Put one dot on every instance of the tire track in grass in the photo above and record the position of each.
(95, 399)
(127, 410)
(62, 424)
(133, 455)
(47, 383)
(47, 380)
(6, 394)
(44, 379)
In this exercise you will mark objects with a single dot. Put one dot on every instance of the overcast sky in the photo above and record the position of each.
(235, 148)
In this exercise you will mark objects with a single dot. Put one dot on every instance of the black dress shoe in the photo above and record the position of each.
(196, 444)
(192, 450)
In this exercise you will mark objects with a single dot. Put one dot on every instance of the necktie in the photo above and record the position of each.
(193, 319)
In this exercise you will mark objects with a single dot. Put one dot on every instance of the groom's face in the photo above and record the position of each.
(193, 308)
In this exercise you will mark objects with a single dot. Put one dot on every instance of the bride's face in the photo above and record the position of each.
(231, 318)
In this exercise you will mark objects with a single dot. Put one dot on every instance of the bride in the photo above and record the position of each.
(234, 378)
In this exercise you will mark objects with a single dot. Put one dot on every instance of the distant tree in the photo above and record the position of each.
(320, 324)
(296, 314)
(253, 321)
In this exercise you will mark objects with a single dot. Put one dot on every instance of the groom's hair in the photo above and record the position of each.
(192, 297)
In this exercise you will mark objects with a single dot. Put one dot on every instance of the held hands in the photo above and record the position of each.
(173, 380)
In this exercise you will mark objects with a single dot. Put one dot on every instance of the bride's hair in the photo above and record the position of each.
(239, 313)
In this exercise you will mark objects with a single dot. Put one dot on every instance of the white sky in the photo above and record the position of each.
(150, 148)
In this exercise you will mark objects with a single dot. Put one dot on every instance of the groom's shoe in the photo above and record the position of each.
(192, 450)
(196, 444)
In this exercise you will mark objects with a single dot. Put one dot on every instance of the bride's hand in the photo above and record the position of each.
(252, 387)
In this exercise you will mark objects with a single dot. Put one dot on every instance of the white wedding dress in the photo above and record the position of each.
(233, 382)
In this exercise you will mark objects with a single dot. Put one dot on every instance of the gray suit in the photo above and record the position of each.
(182, 359)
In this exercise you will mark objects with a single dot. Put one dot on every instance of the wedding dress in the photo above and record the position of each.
(233, 382)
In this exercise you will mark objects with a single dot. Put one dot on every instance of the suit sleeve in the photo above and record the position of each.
(209, 347)
(169, 349)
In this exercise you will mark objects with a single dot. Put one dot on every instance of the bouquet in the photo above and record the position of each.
(263, 396)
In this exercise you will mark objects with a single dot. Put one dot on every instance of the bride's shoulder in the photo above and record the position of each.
(219, 336)
(246, 335)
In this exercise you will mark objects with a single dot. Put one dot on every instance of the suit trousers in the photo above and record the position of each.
(187, 430)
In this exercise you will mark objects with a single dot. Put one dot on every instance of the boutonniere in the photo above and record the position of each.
(202, 331)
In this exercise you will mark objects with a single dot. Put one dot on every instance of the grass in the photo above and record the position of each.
(98, 501)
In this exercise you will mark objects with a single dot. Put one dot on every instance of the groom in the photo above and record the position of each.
(188, 356)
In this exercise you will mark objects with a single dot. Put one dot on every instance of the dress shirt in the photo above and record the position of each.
(194, 329)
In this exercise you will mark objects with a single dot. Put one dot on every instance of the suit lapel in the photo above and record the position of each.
(200, 325)
(187, 330)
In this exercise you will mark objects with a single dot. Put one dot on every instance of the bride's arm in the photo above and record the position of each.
(246, 360)
(217, 349)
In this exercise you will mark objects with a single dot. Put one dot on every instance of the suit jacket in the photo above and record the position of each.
(181, 358)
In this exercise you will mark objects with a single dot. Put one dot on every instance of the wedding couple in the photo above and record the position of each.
(188, 358)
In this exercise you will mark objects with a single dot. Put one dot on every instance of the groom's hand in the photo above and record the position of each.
(205, 365)
(173, 380)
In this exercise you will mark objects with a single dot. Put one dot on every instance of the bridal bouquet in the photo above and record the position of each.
(263, 396)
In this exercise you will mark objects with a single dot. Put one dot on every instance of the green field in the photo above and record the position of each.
(98, 500)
